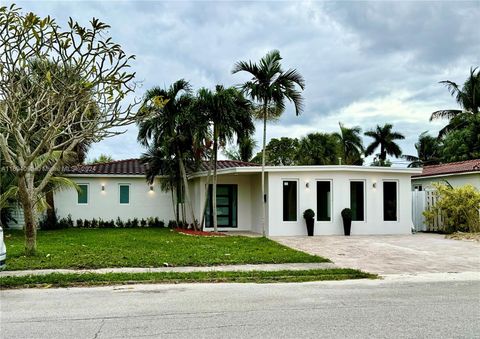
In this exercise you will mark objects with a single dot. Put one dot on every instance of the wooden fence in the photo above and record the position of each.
(422, 201)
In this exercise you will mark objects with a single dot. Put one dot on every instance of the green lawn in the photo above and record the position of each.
(145, 247)
(92, 279)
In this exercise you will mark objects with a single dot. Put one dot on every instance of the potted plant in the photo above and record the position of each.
(347, 220)
(309, 216)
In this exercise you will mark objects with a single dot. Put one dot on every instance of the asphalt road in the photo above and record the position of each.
(395, 308)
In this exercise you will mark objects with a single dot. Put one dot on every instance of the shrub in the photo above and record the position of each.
(87, 223)
(128, 224)
(309, 214)
(135, 222)
(119, 223)
(143, 223)
(172, 224)
(94, 223)
(79, 223)
(458, 207)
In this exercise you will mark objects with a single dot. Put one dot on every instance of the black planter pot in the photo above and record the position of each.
(347, 226)
(310, 223)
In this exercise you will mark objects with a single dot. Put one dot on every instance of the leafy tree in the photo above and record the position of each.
(467, 97)
(428, 151)
(229, 113)
(102, 158)
(280, 152)
(318, 149)
(31, 137)
(270, 86)
(384, 137)
(351, 144)
(462, 144)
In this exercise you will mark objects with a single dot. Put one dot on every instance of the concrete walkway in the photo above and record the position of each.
(243, 268)
(393, 254)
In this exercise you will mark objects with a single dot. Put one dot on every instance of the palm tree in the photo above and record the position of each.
(351, 144)
(385, 138)
(269, 87)
(428, 151)
(168, 125)
(244, 150)
(468, 98)
(229, 113)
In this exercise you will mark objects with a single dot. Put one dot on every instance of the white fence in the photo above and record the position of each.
(422, 201)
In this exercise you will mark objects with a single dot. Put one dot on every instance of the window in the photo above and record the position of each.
(390, 200)
(324, 201)
(417, 187)
(290, 200)
(357, 200)
(82, 194)
(124, 193)
(226, 206)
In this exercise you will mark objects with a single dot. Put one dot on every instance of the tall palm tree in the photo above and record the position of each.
(269, 86)
(385, 138)
(167, 123)
(351, 144)
(467, 97)
(230, 114)
(428, 151)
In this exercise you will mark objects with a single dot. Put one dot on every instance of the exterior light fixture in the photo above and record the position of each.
(307, 184)
(151, 188)
(374, 185)
(103, 187)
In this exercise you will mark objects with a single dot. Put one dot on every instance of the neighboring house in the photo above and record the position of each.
(455, 173)
(380, 197)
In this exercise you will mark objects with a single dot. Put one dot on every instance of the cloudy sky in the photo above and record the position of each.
(365, 63)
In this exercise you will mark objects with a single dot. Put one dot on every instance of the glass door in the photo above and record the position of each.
(226, 206)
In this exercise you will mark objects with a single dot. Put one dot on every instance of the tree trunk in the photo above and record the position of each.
(205, 204)
(264, 212)
(27, 199)
(186, 193)
(51, 217)
(214, 188)
(175, 210)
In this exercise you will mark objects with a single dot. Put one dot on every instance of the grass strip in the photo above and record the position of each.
(146, 247)
(95, 279)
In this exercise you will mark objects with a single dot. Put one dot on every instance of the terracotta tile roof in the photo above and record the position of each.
(451, 168)
(135, 167)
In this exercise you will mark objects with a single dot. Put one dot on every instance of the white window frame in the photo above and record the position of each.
(298, 199)
(364, 198)
(129, 193)
(398, 200)
(88, 193)
(331, 200)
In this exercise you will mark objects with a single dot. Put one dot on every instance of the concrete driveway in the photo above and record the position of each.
(393, 254)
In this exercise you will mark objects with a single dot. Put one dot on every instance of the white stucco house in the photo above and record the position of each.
(380, 197)
(455, 173)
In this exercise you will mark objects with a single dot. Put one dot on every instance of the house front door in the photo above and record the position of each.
(227, 206)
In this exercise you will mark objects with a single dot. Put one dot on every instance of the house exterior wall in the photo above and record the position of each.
(106, 204)
(455, 180)
(373, 224)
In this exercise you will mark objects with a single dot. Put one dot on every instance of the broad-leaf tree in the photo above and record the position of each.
(318, 149)
(280, 152)
(384, 137)
(351, 144)
(28, 127)
(230, 114)
(270, 86)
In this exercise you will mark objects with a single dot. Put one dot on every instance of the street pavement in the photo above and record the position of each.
(410, 306)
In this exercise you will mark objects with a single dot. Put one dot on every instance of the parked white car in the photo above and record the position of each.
(3, 251)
